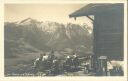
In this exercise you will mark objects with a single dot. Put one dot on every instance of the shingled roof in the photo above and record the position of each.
(92, 9)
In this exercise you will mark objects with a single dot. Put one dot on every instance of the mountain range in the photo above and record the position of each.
(30, 35)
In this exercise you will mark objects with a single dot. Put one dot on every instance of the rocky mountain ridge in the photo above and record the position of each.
(30, 35)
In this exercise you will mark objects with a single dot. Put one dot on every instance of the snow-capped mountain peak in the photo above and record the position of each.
(51, 27)
(50, 34)
(28, 21)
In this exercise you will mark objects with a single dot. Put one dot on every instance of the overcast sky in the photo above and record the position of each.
(44, 12)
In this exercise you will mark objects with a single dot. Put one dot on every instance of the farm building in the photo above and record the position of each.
(108, 25)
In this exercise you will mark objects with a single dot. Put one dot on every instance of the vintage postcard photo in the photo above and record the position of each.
(85, 39)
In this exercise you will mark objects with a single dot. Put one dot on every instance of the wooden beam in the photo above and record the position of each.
(90, 18)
